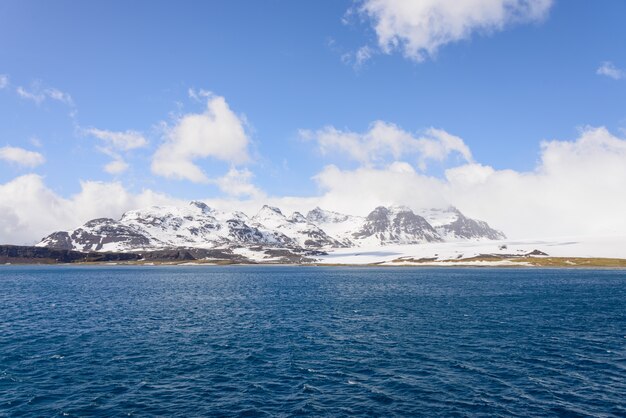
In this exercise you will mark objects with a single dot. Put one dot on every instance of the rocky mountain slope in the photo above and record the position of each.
(397, 225)
(452, 225)
(199, 226)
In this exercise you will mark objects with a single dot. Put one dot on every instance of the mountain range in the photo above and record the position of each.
(201, 227)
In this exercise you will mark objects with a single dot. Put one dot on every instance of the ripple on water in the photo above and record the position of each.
(77, 341)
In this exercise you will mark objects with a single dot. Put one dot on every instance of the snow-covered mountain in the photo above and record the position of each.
(199, 226)
(452, 225)
(337, 225)
(395, 225)
(192, 226)
(302, 232)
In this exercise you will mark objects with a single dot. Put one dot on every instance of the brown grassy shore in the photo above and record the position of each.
(518, 262)
(524, 261)
(10, 254)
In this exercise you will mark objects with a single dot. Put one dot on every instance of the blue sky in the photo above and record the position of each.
(287, 67)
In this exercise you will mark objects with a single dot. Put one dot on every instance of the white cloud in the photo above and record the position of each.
(36, 142)
(363, 54)
(238, 183)
(359, 191)
(35, 97)
(385, 140)
(359, 58)
(420, 28)
(4, 81)
(576, 189)
(123, 141)
(218, 133)
(610, 70)
(58, 95)
(29, 210)
(38, 94)
(22, 157)
(199, 95)
(114, 142)
(117, 166)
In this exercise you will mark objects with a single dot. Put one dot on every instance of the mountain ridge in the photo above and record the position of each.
(197, 225)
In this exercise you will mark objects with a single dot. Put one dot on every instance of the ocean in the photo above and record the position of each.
(311, 341)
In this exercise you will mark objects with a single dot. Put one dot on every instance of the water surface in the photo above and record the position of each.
(282, 341)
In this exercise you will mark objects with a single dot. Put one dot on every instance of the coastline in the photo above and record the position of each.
(465, 255)
(573, 263)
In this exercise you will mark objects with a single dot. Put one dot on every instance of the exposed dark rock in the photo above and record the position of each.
(60, 240)
(284, 256)
(96, 233)
(464, 227)
(242, 232)
(27, 255)
(161, 228)
(397, 226)
(536, 252)
(318, 215)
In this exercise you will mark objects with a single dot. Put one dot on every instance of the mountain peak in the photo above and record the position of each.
(200, 205)
(297, 217)
(396, 225)
(378, 212)
(453, 225)
(196, 225)
(270, 217)
(399, 209)
(269, 210)
(319, 215)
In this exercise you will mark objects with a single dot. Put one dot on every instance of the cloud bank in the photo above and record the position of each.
(385, 140)
(238, 183)
(29, 210)
(576, 189)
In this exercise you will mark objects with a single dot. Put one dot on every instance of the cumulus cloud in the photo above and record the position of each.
(238, 183)
(29, 210)
(385, 140)
(218, 133)
(608, 69)
(419, 28)
(576, 189)
(4, 81)
(359, 191)
(21, 157)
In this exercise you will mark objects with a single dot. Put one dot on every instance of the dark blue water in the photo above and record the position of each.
(282, 341)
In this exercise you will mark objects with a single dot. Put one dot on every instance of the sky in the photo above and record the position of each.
(511, 110)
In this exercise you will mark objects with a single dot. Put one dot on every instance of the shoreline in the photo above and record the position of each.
(517, 263)
(472, 255)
